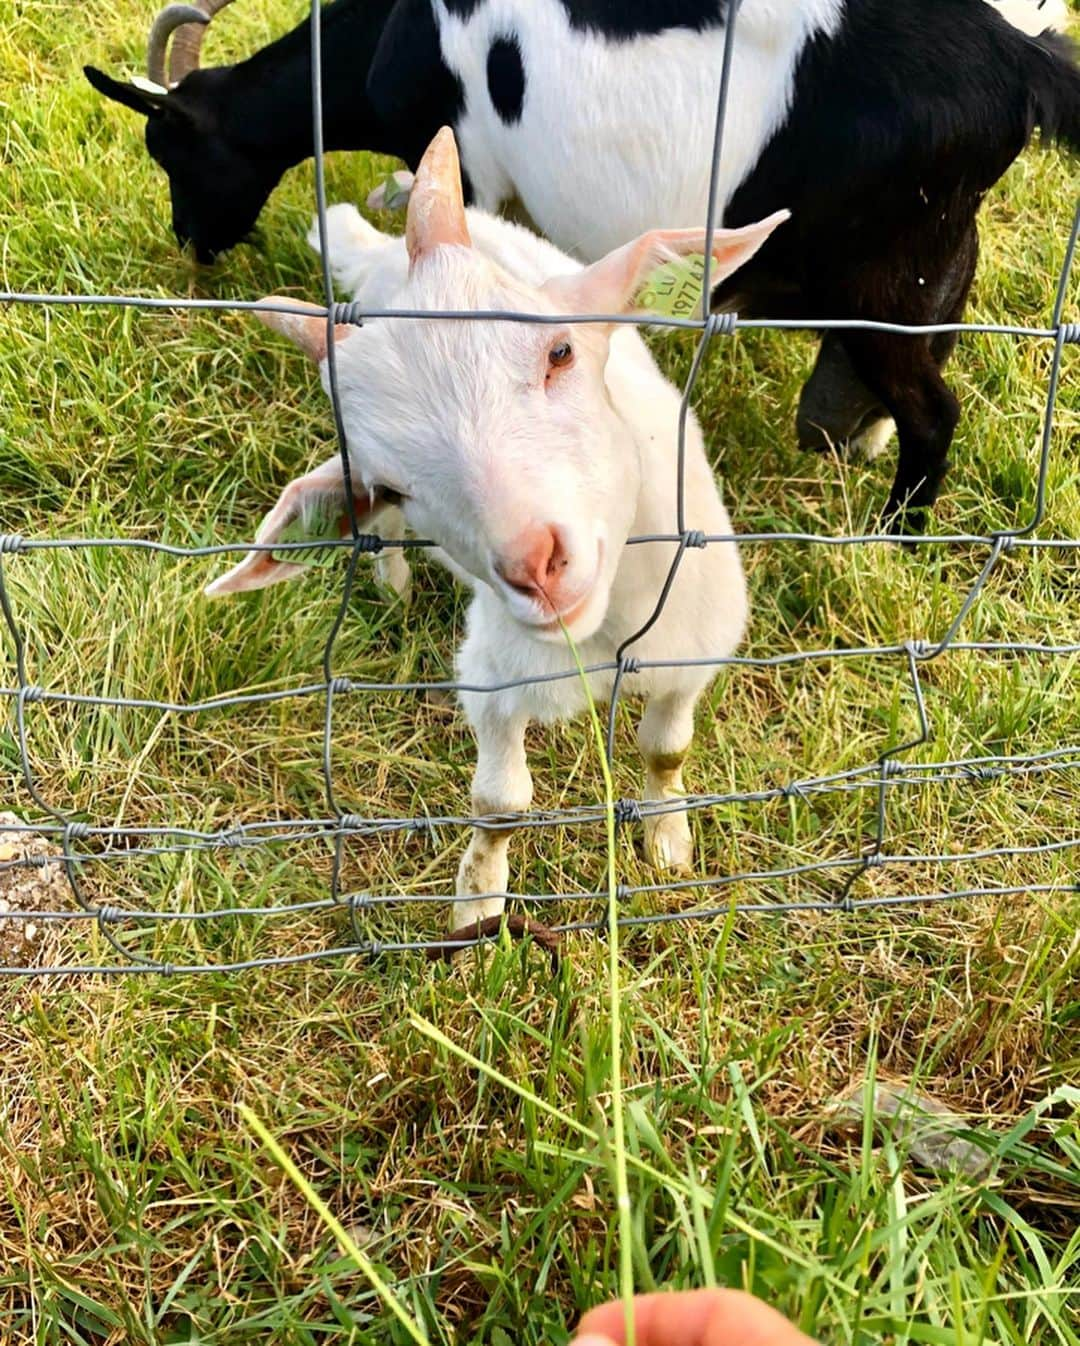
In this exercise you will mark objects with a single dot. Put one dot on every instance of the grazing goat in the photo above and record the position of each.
(529, 454)
(226, 135)
(880, 124)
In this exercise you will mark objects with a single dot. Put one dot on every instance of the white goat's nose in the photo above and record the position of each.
(534, 562)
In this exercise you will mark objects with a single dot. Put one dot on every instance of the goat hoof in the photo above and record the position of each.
(669, 845)
(394, 574)
(488, 929)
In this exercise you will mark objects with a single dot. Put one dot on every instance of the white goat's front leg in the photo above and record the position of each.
(391, 566)
(664, 736)
(501, 784)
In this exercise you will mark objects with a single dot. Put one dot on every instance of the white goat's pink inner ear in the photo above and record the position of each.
(310, 509)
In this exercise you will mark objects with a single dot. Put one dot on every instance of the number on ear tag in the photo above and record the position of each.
(675, 288)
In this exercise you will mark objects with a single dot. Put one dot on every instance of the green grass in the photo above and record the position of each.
(458, 1122)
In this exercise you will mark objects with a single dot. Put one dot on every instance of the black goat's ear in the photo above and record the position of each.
(146, 101)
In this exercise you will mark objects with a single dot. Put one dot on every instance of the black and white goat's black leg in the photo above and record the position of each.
(904, 374)
(883, 375)
(837, 411)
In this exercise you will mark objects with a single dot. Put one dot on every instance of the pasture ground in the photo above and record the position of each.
(139, 1206)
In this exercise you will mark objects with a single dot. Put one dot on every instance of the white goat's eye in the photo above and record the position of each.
(390, 496)
(561, 355)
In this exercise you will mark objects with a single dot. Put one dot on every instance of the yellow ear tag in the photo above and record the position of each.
(323, 524)
(675, 288)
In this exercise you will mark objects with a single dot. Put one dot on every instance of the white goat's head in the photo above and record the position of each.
(497, 439)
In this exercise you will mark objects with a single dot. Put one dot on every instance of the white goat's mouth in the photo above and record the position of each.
(541, 615)
(568, 616)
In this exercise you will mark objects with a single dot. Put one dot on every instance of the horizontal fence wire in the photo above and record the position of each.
(84, 846)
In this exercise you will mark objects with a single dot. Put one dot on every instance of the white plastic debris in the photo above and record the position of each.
(926, 1128)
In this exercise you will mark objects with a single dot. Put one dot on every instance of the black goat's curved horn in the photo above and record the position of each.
(167, 21)
(187, 43)
(188, 22)
(184, 57)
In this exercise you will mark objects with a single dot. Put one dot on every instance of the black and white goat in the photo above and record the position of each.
(880, 124)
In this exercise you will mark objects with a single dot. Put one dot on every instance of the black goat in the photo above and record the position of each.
(227, 134)
(879, 124)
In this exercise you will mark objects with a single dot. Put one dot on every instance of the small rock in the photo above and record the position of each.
(23, 942)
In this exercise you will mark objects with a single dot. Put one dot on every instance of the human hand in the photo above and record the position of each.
(691, 1318)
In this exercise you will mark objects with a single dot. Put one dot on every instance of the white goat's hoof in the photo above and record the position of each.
(474, 913)
(482, 878)
(392, 193)
(668, 843)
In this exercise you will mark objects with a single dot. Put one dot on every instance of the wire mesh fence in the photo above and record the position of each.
(81, 846)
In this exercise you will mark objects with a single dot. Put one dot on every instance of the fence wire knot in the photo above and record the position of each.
(1069, 332)
(350, 822)
(351, 313)
(890, 768)
(794, 790)
(339, 686)
(695, 538)
(721, 324)
(367, 544)
(31, 695)
(627, 811)
(628, 665)
(11, 544)
(875, 860)
(75, 832)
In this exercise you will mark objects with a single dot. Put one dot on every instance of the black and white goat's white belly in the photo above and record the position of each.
(603, 135)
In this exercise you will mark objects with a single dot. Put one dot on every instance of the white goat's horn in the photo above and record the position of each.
(437, 204)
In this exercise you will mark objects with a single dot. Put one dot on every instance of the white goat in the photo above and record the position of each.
(529, 453)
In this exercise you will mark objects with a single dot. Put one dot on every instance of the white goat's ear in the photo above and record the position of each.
(436, 214)
(657, 272)
(311, 508)
(309, 333)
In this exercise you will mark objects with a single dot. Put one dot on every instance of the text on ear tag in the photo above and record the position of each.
(674, 288)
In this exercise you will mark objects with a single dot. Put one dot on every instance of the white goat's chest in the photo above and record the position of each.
(614, 137)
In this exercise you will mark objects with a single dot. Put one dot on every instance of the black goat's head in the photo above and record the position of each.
(217, 188)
